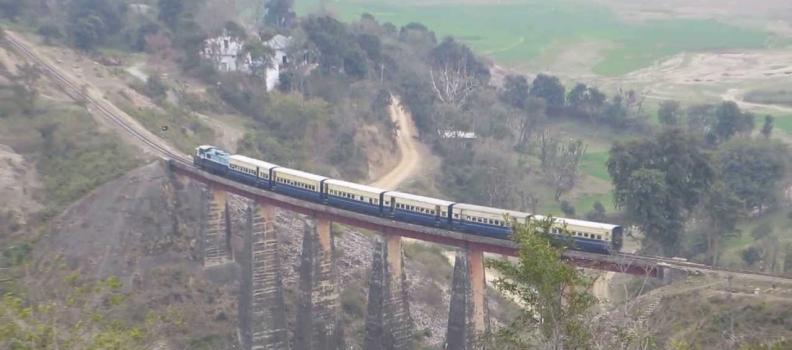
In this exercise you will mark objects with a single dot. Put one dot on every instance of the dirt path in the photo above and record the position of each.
(406, 140)
(735, 95)
(137, 72)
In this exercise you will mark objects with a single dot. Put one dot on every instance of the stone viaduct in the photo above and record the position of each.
(319, 325)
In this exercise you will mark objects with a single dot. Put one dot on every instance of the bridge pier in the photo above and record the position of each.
(214, 238)
(388, 322)
(262, 310)
(467, 315)
(319, 318)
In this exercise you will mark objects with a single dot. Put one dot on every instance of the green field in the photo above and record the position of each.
(520, 31)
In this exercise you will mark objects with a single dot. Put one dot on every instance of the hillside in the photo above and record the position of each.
(711, 312)
(141, 228)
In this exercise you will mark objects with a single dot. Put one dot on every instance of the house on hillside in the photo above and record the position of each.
(279, 44)
(223, 50)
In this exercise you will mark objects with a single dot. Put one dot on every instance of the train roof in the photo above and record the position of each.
(252, 161)
(581, 223)
(419, 198)
(301, 174)
(490, 210)
(355, 186)
(210, 148)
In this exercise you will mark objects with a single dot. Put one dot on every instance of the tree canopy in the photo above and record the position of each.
(551, 90)
(659, 181)
(554, 295)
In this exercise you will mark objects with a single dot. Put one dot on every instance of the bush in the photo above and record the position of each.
(597, 212)
(353, 301)
(155, 88)
(751, 255)
(50, 32)
(567, 208)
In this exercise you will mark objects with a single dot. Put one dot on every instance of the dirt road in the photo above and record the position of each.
(735, 95)
(408, 145)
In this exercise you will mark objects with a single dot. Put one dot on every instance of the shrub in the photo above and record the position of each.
(567, 208)
(155, 88)
(50, 32)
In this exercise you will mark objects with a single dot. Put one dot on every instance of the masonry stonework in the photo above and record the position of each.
(467, 316)
(388, 322)
(319, 318)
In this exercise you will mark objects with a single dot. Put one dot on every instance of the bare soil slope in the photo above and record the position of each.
(129, 225)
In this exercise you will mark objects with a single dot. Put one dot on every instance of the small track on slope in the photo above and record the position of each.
(61, 78)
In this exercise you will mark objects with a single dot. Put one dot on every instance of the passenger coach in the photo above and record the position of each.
(427, 211)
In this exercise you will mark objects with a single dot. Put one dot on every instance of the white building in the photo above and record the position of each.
(279, 43)
(224, 50)
(456, 134)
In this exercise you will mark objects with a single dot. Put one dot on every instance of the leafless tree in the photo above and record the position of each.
(560, 161)
(500, 184)
(453, 84)
(215, 14)
(531, 119)
(159, 48)
(528, 200)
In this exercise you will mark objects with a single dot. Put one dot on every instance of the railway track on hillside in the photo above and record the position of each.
(119, 121)
(692, 265)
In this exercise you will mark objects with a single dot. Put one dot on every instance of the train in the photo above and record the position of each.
(410, 208)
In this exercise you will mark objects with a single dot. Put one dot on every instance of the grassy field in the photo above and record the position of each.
(519, 31)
